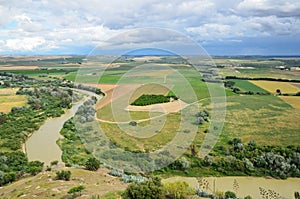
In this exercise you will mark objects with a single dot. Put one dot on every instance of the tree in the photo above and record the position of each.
(75, 190)
(278, 91)
(229, 84)
(151, 189)
(178, 189)
(92, 164)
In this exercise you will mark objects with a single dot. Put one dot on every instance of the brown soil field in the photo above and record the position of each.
(110, 95)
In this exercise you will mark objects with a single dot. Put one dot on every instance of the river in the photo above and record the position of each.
(41, 145)
(244, 186)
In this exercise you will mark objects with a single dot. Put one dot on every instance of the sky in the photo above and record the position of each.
(220, 27)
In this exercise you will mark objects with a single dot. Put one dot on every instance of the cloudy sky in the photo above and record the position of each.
(231, 27)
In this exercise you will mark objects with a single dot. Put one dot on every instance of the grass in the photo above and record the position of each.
(163, 136)
(112, 195)
(8, 99)
(245, 85)
(272, 86)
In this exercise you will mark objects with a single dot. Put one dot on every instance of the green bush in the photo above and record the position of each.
(77, 189)
(63, 175)
(151, 189)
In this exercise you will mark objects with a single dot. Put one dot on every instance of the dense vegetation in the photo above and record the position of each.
(236, 158)
(145, 99)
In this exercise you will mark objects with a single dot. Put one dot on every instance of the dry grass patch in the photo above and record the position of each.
(157, 141)
(272, 86)
(43, 185)
(8, 91)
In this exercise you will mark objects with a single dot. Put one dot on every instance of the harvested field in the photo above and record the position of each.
(294, 101)
(7, 102)
(296, 84)
(272, 86)
(9, 99)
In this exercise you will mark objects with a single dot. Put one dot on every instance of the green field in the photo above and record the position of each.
(245, 85)
(266, 119)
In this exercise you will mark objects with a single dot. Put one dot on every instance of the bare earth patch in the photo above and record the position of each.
(170, 107)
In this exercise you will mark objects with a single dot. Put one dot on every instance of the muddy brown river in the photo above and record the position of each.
(244, 186)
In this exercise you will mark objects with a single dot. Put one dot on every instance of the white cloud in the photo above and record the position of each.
(86, 23)
(280, 8)
(24, 44)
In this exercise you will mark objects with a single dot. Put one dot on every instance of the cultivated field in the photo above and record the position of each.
(245, 85)
(9, 99)
(266, 119)
(294, 101)
(272, 86)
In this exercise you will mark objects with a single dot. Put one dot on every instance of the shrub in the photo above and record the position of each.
(151, 189)
(92, 164)
(132, 123)
(178, 189)
(75, 190)
(63, 175)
